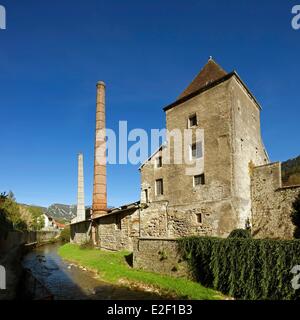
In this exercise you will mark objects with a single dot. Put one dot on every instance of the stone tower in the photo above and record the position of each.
(216, 197)
(99, 193)
(80, 191)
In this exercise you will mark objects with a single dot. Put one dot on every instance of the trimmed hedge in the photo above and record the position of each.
(240, 233)
(244, 268)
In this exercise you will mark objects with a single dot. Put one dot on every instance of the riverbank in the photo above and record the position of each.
(57, 279)
(13, 246)
(115, 268)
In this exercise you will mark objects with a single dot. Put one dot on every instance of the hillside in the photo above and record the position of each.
(60, 212)
(291, 172)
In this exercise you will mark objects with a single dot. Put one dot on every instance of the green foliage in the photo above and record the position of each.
(163, 256)
(291, 172)
(10, 212)
(240, 233)
(38, 221)
(65, 234)
(296, 217)
(244, 268)
(112, 267)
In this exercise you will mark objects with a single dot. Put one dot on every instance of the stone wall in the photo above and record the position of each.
(80, 232)
(271, 203)
(117, 231)
(159, 255)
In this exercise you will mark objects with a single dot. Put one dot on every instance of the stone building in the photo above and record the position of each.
(216, 198)
(223, 185)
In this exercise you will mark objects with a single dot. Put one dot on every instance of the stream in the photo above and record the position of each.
(65, 281)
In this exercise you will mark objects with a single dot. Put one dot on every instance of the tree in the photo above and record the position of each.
(11, 211)
(38, 221)
(296, 216)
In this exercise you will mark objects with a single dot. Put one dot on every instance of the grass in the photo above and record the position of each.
(113, 268)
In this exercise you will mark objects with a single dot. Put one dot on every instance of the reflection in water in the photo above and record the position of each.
(68, 282)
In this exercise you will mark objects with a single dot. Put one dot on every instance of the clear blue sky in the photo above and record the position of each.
(53, 53)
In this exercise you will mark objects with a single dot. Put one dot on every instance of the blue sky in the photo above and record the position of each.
(53, 53)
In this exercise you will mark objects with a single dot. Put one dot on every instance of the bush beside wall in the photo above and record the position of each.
(244, 268)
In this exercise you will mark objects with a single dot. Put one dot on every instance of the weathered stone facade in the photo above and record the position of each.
(271, 203)
(117, 231)
(230, 119)
(237, 184)
(80, 232)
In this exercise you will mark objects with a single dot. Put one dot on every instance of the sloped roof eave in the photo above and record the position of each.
(209, 86)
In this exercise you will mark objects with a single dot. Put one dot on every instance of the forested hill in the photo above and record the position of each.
(291, 172)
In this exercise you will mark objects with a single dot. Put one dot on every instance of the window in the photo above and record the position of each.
(192, 121)
(146, 196)
(196, 151)
(199, 218)
(158, 162)
(159, 188)
(118, 222)
(199, 180)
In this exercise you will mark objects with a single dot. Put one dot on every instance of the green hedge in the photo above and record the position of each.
(244, 268)
(240, 233)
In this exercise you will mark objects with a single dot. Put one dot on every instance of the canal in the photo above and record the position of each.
(65, 281)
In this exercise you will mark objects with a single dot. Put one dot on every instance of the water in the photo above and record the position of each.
(68, 282)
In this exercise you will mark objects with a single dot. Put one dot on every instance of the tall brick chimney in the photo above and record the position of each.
(99, 193)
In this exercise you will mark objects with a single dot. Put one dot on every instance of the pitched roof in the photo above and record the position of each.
(210, 73)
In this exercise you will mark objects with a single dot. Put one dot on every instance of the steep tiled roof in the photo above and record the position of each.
(211, 72)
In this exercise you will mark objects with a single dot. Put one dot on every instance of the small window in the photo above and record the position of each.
(158, 162)
(146, 196)
(196, 151)
(199, 218)
(192, 121)
(118, 222)
(159, 187)
(199, 180)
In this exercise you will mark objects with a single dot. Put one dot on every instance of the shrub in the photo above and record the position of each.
(65, 234)
(244, 268)
(240, 233)
(296, 217)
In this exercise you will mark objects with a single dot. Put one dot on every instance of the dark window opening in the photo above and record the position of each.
(159, 162)
(196, 150)
(118, 222)
(159, 187)
(199, 218)
(199, 180)
(193, 121)
(146, 195)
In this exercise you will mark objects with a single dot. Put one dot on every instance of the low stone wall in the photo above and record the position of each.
(117, 231)
(271, 203)
(160, 256)
(80, 232)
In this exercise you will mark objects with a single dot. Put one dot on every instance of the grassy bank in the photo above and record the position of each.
(112, 267)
